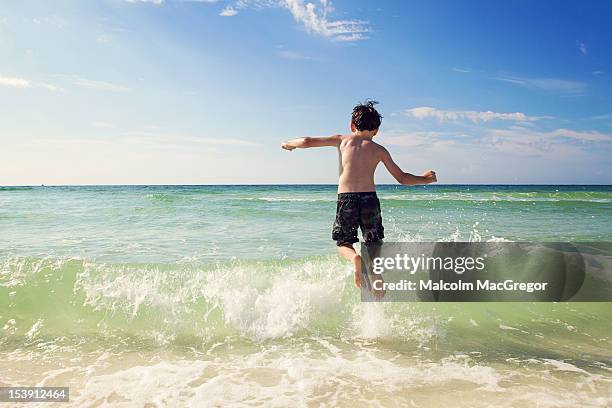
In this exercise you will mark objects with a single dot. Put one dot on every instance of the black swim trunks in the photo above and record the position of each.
(357, 210)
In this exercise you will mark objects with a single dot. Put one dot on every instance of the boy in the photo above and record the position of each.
(358, 205)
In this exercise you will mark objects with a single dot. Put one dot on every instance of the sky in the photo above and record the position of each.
(204, 92)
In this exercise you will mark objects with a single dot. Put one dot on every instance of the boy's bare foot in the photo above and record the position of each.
(357, 265)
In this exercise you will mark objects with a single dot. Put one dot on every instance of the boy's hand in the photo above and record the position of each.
(287, 146)
(429, 177)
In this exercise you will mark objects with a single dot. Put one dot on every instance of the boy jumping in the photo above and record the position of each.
(358, 205)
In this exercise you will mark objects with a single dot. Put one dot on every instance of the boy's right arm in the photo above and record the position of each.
(403, 178)
(306, 142)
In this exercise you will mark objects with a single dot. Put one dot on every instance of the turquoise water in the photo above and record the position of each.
(218, 295)
(204, 223)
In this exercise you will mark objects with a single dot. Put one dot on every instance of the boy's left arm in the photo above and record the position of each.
(405, 179)
(306, 142)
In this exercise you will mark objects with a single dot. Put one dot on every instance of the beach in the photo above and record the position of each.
(234, 295)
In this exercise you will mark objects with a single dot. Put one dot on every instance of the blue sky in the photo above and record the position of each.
(198, 92)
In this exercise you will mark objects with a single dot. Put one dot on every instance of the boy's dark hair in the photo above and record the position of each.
(365, 117)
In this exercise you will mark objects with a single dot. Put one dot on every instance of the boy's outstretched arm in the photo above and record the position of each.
(305, 142)
(406, 179)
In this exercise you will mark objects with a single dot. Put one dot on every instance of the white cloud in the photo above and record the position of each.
(518, 140)
(100, 85)
(419, 139)
(547, 84)
(315, 20)
(425, 112)
(558, 134)
(583, 48)
(14, 82)
(582, 136)
(52, 88)
(526, 141)
(26, 83)
(314, 17)
(228, 11)
(605, 116)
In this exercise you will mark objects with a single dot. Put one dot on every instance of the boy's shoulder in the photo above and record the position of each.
(350, 137)
(378, 147)
(371, 146)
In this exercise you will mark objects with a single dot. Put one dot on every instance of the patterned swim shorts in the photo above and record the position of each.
(357, 210)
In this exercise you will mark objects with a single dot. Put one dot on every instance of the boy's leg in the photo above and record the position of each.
(373, 233)
(370, 219)
(374, 248)
(349, 253)
(344, 231)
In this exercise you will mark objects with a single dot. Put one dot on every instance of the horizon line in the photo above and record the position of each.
(294, 184)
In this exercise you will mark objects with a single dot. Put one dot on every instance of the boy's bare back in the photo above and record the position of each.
(358, 157)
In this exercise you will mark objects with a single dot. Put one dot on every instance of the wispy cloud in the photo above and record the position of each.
(428, 139)
(461, 70)
(23, 83)
(582, 136)
(427, 112)
(605, 116)
(519, 133)
(14, 82)
(228, 11)
(583, 48)
(547, 84)
(100, 85)
(315, 19)
(518, 140)
(525, 141)
(313, 16)
(52, 88)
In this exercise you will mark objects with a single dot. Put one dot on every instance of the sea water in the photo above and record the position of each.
(234, 295)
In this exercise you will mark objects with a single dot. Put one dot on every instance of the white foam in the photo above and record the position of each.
(292, 378)
(563, 366)
(34, 330)
(370, 322)
(278, 306)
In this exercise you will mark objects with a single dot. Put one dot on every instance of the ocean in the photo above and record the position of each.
(234, 296)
